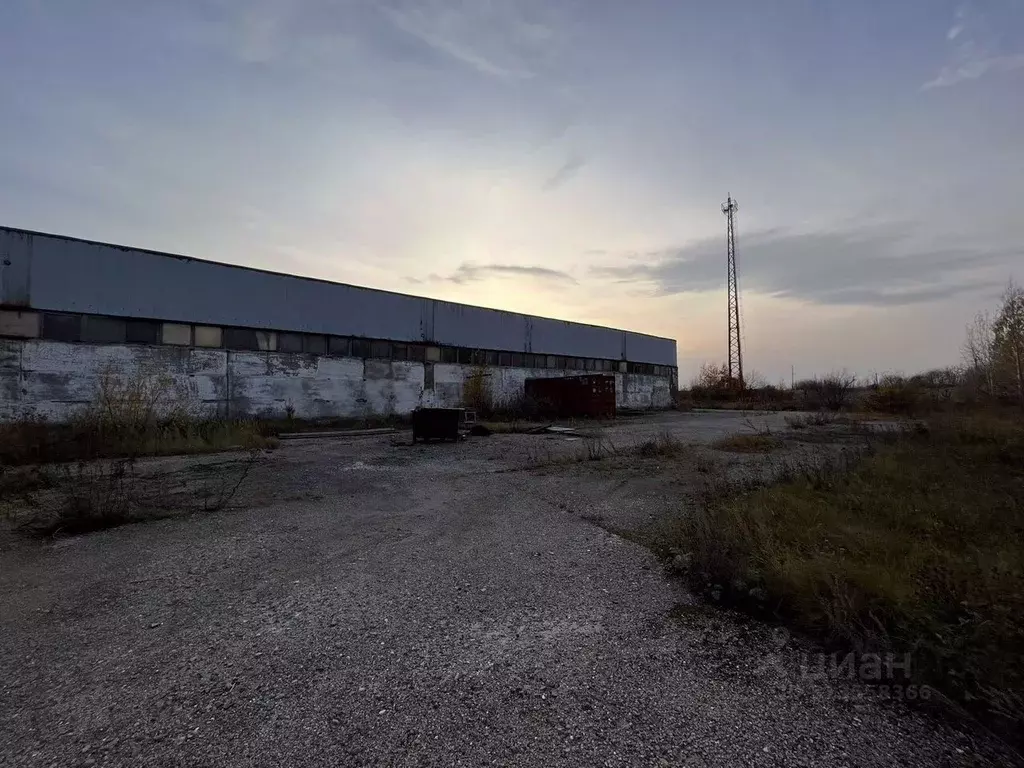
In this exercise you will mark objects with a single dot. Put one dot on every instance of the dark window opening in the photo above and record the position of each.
(312, 344)
(59, 327)
(142, 332)
(289, 342)
(380, 349)
(448, 355)
(339, 345)
(417, 353)
(360, 348)
(241, 338)
(105, 330)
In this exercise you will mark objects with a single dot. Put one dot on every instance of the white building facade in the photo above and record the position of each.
(247, 342)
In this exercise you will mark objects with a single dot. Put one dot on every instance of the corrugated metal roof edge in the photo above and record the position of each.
(179, 256)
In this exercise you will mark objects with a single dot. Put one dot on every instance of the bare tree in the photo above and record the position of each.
(1008, 340)
(711, 376)
(978, 348)
(755, 380)
(832, 392)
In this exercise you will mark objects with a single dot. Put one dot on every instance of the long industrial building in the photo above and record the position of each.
(248, 342)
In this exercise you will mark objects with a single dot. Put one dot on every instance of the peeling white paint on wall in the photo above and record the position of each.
(53, 380)
(636, 390)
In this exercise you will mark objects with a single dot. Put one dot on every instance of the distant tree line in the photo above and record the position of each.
(992, 371)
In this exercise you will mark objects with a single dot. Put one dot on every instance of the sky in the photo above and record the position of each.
(567, 159)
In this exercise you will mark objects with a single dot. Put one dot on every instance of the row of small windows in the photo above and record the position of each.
(110, 330)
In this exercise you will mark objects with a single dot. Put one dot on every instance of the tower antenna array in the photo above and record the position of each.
(729, 208)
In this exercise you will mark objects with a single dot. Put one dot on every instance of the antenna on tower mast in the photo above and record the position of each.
(729, 208)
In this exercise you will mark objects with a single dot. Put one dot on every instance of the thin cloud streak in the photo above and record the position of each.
(565, 173)
(973, 70)
(874, 266)
(470, 273)
(494, 40)
(975, 49)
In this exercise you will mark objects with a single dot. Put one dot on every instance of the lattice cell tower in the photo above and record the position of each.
(729, 208)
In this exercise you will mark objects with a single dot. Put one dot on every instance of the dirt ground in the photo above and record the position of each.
(369, 602)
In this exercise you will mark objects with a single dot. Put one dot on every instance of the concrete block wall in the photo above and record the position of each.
(642, 391)
(53, 380)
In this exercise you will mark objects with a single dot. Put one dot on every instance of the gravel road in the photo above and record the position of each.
(377, 604)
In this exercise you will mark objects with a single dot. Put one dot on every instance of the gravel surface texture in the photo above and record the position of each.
(372, 603)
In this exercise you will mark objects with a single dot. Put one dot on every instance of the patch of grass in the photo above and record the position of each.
(817, 419)
(100, 495)
(86, 496)
(597, 448)
(207, 437)
(81, 476)
(38, 442)
(17, 482)
(748, 443)
(665, 444)
(918, 548)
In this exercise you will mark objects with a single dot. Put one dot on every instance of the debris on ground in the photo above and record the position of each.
(552, 429)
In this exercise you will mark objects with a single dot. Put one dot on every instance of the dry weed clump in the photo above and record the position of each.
(84, 475)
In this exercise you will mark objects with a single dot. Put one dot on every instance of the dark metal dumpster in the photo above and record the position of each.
(437, 423)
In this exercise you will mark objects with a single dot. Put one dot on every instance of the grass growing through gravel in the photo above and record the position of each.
(38, 442)
(664, 444)
(597, 448)
(81, 476)
(80, 497)
(748, 443)
(919, 548)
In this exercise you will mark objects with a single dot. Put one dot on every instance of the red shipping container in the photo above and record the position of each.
(571, 396)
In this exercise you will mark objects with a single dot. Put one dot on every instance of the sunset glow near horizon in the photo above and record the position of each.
(562, 159)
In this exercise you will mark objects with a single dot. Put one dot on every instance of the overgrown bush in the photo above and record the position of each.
(665, 444)
(713, 388)
(748, 443)
(85, 496)
(897, 395)
(816, 419)
(917, 549)
(831, 392)
(712, 384)
(97, 494)
(130, 417)
(82, 476)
